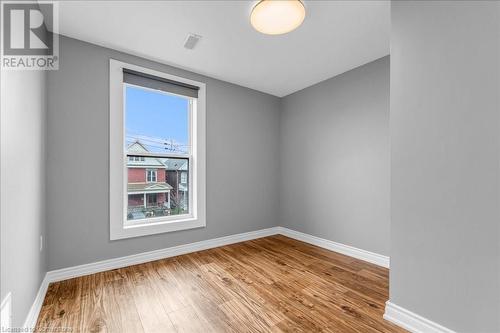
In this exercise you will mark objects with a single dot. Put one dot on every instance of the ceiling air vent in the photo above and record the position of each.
(191, 41)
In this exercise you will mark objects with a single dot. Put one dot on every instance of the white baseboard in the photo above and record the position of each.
(351, 251)
(32, 317)
(411, 321)
(106, 265)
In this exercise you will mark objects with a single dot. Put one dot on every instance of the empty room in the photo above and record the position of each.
(250, 166)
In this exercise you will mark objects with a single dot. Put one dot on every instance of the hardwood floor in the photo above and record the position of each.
(272, 284)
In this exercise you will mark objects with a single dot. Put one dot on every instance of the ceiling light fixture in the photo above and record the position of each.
(276, 17)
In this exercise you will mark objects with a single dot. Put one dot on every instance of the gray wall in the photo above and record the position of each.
(334, 147)
(445, 162)
(22, 176)
(242, 163)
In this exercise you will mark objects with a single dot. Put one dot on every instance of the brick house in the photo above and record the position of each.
(147, 187)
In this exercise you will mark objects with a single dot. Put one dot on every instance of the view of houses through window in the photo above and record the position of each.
(158, 150)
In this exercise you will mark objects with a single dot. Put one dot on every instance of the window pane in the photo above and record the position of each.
(156, 122)
(161, 191)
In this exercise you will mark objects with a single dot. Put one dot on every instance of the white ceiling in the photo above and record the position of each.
(335, 37)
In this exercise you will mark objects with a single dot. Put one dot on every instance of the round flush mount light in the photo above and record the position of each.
(276, 17)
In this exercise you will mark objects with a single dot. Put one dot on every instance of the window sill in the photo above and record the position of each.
(157, 227)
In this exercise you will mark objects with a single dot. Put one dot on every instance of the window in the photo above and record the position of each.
(157, 152)
(150, 176)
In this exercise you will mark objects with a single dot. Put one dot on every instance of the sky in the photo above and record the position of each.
(157, 115)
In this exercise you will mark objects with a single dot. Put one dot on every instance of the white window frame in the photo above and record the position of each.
(153, 172)
(118, 195)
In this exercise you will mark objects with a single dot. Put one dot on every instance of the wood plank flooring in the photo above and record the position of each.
(272, 284)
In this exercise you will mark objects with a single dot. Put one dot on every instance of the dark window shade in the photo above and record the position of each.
(158, 83)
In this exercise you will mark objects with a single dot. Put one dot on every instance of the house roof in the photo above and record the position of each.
(137, 147)
(148, 187)
(176, 164)
(153, 162)
(144, 162)
(148, 162)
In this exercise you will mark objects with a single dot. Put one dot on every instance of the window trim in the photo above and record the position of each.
(117, 160)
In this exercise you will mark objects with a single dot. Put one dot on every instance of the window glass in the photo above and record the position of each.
(157, 146)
